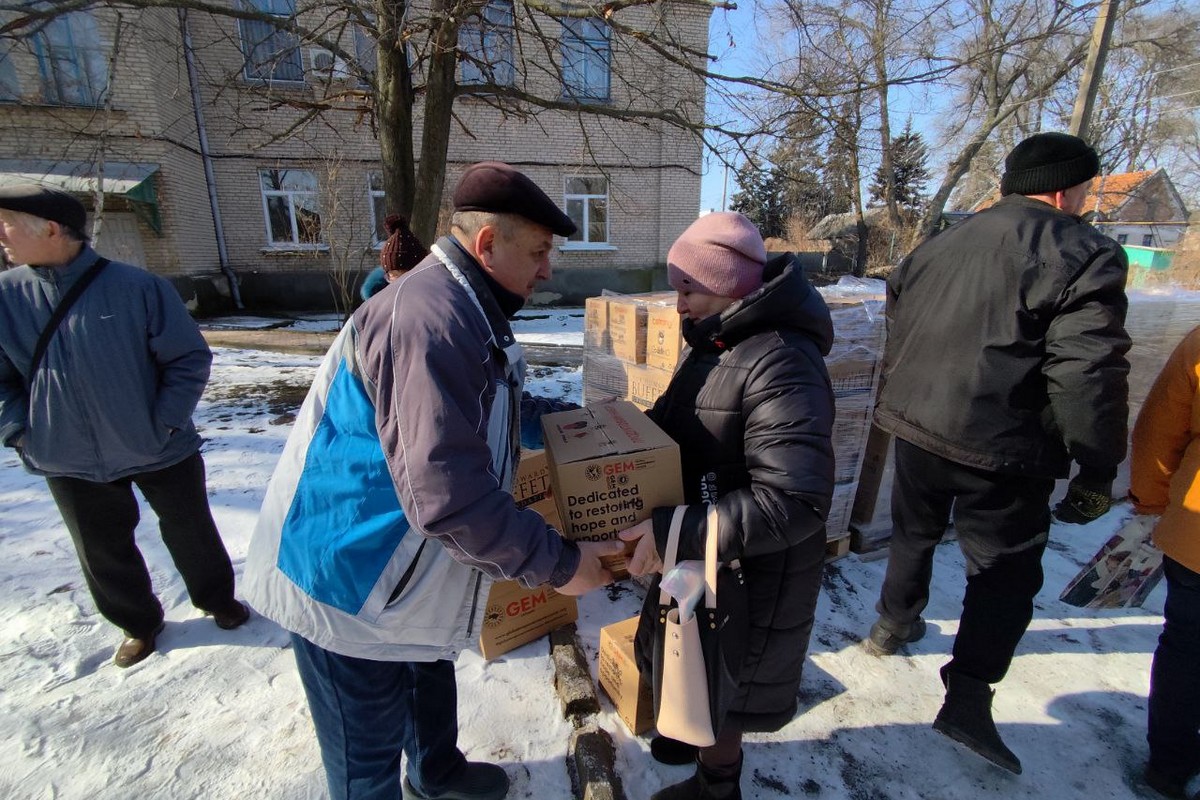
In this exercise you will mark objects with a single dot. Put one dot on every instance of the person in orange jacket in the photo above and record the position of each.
(1165, 479)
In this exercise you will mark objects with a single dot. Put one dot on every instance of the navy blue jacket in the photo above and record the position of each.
(116, 389)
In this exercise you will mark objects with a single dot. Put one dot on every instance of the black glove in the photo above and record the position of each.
(1087, 500)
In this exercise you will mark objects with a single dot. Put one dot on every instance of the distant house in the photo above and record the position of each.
(1139, 209)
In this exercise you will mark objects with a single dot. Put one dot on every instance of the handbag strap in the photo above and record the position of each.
(672, 549)
(60, 311)
(710, 558)
(711, 562)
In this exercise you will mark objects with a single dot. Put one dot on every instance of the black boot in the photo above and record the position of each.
(966, 717)
(666, 750)
(706, 784)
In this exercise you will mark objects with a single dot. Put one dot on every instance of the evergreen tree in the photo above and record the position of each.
(909, 158)
(761, 198)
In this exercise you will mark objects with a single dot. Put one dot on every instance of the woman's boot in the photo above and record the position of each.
(707, 784)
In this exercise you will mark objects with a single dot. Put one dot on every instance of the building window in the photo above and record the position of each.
(290, 206)
(378, 207)
(271, 53)
(71, 60)
(486, 45)
(1122, 238)
(587, 206)
(10, 87)
(586, 56)
(1147, 239)
(364, 51)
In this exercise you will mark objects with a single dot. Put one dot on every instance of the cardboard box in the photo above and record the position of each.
(627, 329)
(664, 337)
(595, 323)
(532, 487)
(620, 679)
(644, 384)
(610, 467)
(515, 615)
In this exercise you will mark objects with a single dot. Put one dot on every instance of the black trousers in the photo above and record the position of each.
(1003, 522)
(101, 518)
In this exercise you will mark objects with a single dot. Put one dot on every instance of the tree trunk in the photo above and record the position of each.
(888, 164)
(394, 102)
(440, 89)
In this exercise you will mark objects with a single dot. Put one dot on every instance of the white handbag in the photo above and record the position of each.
(684, 711)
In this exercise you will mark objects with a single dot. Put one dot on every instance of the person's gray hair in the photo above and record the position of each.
(472, 222)
(35, 225)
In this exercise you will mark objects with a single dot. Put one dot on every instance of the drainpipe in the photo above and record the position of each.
(210, 178)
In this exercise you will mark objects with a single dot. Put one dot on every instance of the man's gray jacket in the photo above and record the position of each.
(116, 389)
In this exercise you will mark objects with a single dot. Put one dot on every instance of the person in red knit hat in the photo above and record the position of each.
(401, 252)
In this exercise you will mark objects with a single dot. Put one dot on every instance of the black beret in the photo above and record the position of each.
(500, 189)
(1047, 162)
(42, 201)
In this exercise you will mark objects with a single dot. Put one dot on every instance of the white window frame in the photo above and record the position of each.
(1147, 240)
(584, 224)
(376, 222)
(290, 196)
(583, 55)
(291, 52)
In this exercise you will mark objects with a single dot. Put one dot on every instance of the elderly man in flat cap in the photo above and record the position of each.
(99, 398)
(1005, 363)
(390, 509)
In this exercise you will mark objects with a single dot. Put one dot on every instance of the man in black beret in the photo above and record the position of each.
(393, 505)
(1005, 363)
(102, 400)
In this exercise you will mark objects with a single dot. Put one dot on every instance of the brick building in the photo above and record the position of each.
(199, 137)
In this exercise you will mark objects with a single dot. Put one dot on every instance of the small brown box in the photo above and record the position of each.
(644, 384)
(620, 679)
(664, 337)
(515, 616)
(627, 329)
(595, 324)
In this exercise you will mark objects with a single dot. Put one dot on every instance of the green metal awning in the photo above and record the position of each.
(133, 182)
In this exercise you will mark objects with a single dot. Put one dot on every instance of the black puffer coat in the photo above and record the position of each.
(752, 410)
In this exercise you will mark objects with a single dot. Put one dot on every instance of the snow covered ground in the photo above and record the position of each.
(220, 714)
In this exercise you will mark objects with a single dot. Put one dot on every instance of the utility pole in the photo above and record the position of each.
(1089, 84)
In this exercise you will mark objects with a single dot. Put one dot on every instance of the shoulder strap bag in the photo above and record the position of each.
(60, 311)
(697, 662)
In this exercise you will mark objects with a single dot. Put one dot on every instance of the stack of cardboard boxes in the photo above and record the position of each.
(632, 344)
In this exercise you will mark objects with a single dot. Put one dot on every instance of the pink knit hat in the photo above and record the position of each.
(719, 254)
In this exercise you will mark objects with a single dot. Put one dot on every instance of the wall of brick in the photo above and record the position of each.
(652, 168)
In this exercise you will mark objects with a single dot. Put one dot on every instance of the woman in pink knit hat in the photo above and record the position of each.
(751, 407)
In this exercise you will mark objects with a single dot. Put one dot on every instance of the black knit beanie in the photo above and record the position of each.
(1047, 162)
(402, 251)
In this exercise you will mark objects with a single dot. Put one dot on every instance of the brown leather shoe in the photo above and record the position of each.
(231, 616)
(135, 649)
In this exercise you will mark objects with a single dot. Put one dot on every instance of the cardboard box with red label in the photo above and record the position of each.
(514, 615)
(610, 467)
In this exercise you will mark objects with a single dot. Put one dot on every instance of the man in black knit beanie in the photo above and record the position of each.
(1005, 363)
